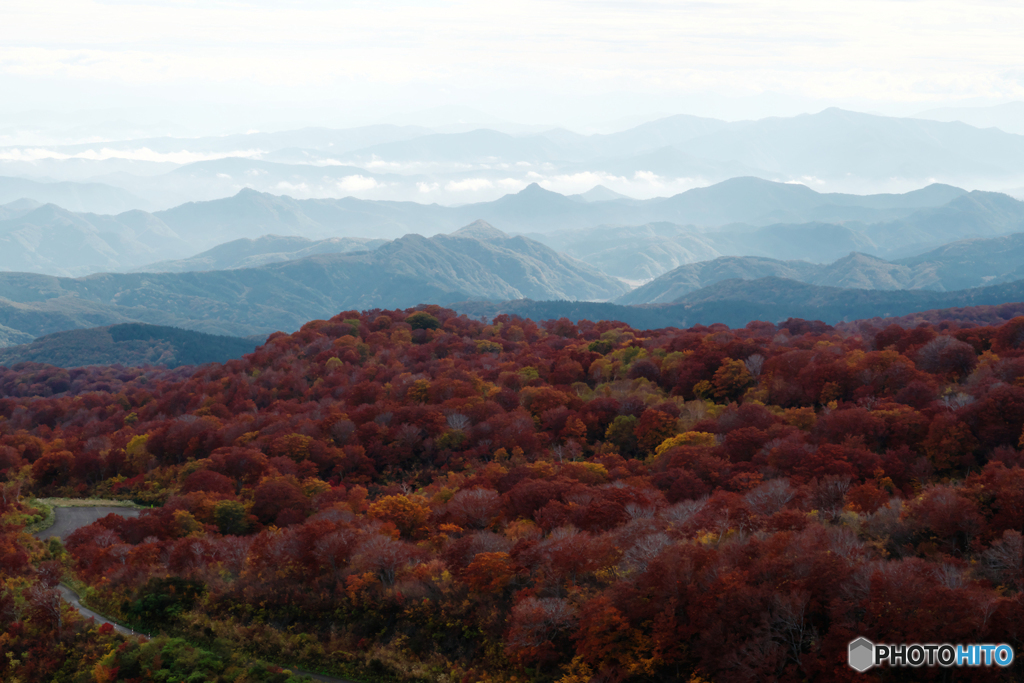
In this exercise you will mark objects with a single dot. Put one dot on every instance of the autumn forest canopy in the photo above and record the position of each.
(416, 494)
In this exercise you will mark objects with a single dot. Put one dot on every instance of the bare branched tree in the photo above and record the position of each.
(770, 497)
(457, 421)
(828, 496)
(755, 364)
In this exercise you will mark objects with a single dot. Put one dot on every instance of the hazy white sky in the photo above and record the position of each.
(572, 62)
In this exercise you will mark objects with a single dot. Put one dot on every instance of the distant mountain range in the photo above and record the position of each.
(478, 262)
(959, 265)
(19, 207)
(475, 262)
(831, 146)
(634, 253)
(833, 149)
(73, 196)
(51, 240)
(131, 345)
(1008, 117)
(247, 253)
(738, 302)
(523, 277)
(639, 253)
(243, 250)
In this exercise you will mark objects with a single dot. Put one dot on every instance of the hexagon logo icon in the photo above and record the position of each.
(862, 654)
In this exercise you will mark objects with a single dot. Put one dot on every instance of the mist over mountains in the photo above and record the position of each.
(834, 150)
(73, 196)
(258, 239)
(736, 217)
(300, 269)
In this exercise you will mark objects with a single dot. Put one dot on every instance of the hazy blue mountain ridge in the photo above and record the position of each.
(957, 266)
(627, 252)
(833, 149)
(837, 143)
(633, 253)
(73, 196)
(49, 239)
(18, 207)
(479, 262)
(250, 253)
(731, 218)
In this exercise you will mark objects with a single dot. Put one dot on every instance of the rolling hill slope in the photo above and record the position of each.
(129, 344)
(250, 253)
(956, 266)
(476, 262)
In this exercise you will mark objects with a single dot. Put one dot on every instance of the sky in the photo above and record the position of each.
(210, 66)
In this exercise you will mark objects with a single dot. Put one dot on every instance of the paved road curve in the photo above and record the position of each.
(70, 596)
(68, 519)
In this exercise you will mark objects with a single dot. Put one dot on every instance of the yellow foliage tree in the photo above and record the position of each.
(406, 514)
(686, 439)
(138, 457)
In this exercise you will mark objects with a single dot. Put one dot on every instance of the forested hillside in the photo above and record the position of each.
(128, 344)
(475, 262)
(415, 494)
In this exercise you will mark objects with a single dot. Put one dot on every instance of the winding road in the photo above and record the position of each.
(68, 519)
(71, 518)
(72, 598)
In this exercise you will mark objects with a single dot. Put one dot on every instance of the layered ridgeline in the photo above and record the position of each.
(742, 216)
(53, 240)
(835, 149)
(646, 251)
(130, 345)
(737, 302)
(249, 253)
(480, 265)
(256, 286)
(475, 262)
(75, 196)
(959, 265)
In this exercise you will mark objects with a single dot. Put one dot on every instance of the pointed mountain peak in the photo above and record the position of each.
(600, 193)
(858, 259)
(534, 189)
(49, 211)
(480, 230)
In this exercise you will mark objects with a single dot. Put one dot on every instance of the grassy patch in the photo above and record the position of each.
(43, 519)
(77, 586)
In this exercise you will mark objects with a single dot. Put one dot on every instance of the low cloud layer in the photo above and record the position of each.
(139, 154)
